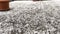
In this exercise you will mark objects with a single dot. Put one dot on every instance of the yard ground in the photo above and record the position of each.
(28, 17)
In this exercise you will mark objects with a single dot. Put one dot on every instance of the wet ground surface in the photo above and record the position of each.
(41, 17)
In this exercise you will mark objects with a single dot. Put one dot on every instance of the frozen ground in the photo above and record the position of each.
(41, 17)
